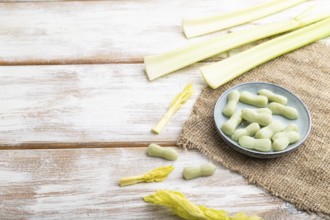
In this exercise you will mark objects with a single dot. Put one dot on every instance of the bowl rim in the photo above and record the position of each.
(254, 153)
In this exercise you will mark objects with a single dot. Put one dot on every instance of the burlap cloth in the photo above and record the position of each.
(302, 177)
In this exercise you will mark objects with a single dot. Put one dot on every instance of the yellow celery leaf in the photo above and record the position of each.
(155, 175)
(242, 216)
(182, 207)
(158, 174)
(214, 213)
(182, 97)
(177, 202)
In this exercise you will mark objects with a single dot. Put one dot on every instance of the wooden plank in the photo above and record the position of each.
(88, 32)
(83, 184)
(89, 105)
(27, 1)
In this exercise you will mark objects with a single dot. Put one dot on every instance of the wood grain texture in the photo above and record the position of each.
(101, 106)
(83, 184)
(87, 32)
(105, 104)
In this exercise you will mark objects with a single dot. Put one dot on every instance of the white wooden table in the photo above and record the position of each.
(76, 111)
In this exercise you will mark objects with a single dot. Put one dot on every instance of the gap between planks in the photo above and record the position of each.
(34, 146)
(35, 1)
(91, 61)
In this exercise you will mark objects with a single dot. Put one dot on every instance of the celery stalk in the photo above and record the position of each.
(162, 64)
(222, 72)
(209, 24)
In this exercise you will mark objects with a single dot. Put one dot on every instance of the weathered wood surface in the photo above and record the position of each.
(105, 31)
(83, 184)
(89, 103)
(68, 106)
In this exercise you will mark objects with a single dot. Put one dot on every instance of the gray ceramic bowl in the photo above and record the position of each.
(303, 122)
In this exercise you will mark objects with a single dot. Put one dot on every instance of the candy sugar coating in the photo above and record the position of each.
(290, 127)
(192, 172)
(273, 97)
(286, 111)
(155, 150)
(255, 100)
(282, 140)
(251, 115)
(250, 130)
(270, 130)
(263, 110)
(230, 125)
(248, 142)
(232, 101)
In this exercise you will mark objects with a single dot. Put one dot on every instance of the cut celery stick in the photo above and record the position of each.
(162, 64)
(176, 104)
(222, 72)
(205, 25)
